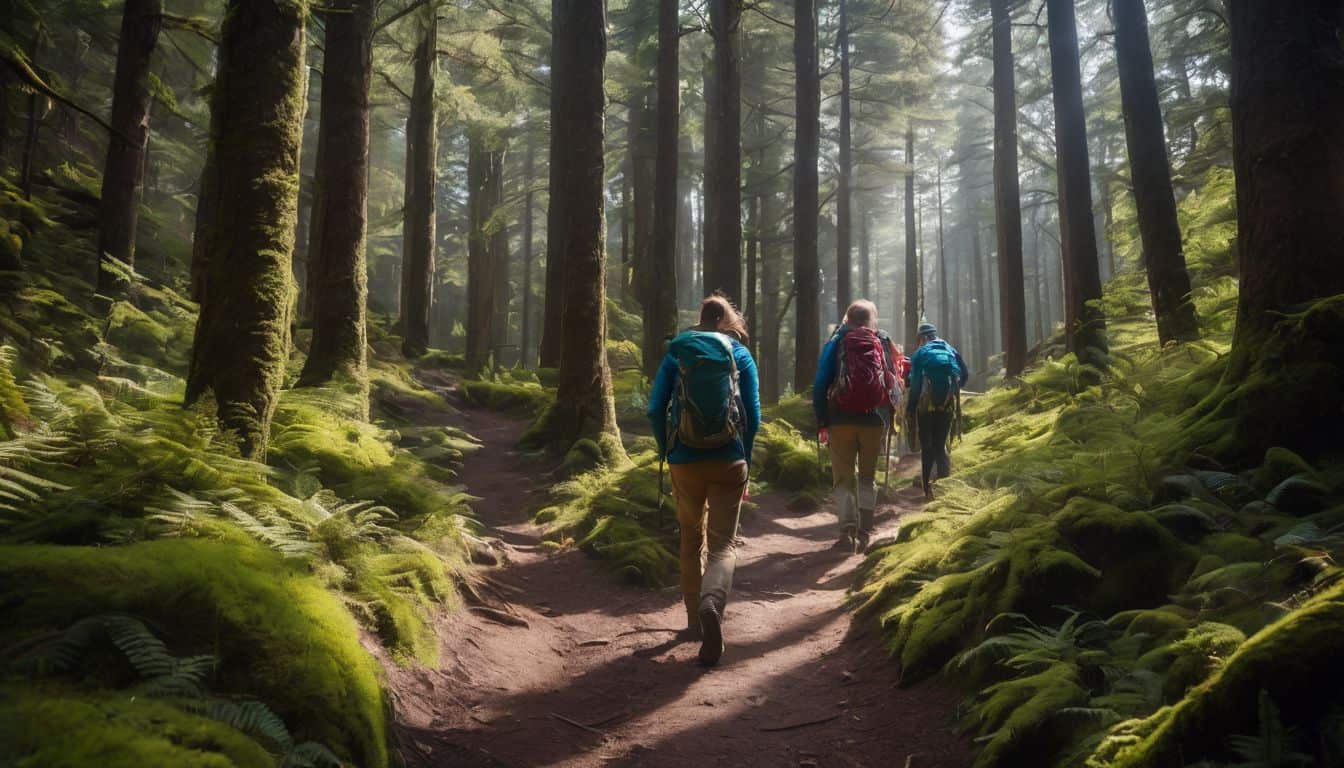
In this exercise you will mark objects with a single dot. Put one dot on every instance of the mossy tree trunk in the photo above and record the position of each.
(807, 136)
(242, 334)
(124, 170)
(557, 218)
(723, 209)
(1150, 172)
(1085, 325)
(499, 256)
(914, 279)
(1007, 194)
(843, 233)
(660, 301)
(1284, 374)
(337, 272)
(584, 408)
(422, 145)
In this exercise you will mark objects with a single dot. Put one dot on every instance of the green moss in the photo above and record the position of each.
(523, 399)
(70, 729)
(1020, 718)
(280, 637)
(1297, 661)
(623, 325)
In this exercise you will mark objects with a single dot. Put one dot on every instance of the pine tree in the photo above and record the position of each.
(418, 222)
(242, 334)
(337, 271)
(807, 136)
(660, 299)
(124, 171)
(1007, 195)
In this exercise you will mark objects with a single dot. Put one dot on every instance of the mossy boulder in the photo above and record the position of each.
(58, 728)
(1298, 662)
(1140, 561)
(279, 636)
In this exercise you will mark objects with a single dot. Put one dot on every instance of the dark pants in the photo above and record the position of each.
(934, 427)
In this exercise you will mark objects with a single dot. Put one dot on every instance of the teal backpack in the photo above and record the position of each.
(705, 414)
(942, 375)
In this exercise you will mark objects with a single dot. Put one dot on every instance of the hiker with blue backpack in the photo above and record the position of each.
(854, 395)
(937, 374)
(705, 408)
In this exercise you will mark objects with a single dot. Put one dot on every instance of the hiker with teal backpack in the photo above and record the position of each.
(705, 408)
(937, 374)
(854, 396)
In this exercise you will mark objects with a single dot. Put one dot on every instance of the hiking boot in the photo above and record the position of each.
(845, 543)
(711, 629)
(865, 533)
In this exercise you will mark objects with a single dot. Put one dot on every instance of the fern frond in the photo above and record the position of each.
(251, 717)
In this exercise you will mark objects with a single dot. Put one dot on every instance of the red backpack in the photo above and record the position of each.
(863, 381)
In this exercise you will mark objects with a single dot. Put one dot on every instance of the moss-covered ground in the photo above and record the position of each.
(117, 501)
(1111, 579)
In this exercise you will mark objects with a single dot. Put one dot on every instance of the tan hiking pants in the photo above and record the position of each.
(708, 554)
(849, 442)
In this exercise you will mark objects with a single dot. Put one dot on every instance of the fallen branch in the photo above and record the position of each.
(804, 724)
(498, 616)
(577, 724)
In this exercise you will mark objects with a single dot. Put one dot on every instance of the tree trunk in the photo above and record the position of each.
(417, 275)
(913, 279)
(753, 253)
(525, 321)
(242, 333)
(660, 311)
(1085, 325)
(1287, 105)
(556, 216)
(1150, 172)
(769, 327)
(498, 229)
(481, 171)
(124, 171)
(584, 408)
(1007, 196)
(843, 268)
(807, 98)
(944, 306)
(685, 227)
(337, 270)
(723, 158)
(984, 335)
(865, 258)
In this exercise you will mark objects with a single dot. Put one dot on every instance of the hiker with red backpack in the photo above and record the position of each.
(853, 396)
(705, 408)
(937, 374)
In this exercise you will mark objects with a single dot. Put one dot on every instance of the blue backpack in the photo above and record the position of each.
(941, 373)
(705, 413)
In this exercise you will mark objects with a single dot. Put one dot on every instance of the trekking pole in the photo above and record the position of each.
(660, 491)
(821, 471)
(886, 482)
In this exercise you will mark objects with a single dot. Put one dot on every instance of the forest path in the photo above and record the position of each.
(599, 675)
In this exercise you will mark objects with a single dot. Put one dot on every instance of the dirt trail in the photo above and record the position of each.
(599, 676)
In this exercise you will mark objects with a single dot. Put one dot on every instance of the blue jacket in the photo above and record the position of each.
(665, 387)
(827, 369)
(917, 363)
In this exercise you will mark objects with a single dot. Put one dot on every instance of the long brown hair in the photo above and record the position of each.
(717, 313)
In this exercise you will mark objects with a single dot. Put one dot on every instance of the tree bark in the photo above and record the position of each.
(1085, 325)
(124, 171)
(643, 165)
(723, 159)
(865, 257)
(913, 279)
(1007, 196)
(498, 228)
(843, 221)
(660, 313)
(483, 166)
(685, 227)
(584, 407)
(1150, 172)
(556, 215)
(417, 274)
(771, 265)
(944, 306)
(753, 254)
(807, 99)
(337, 270)
(242, 333)
(525, 322)
(984, 334)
